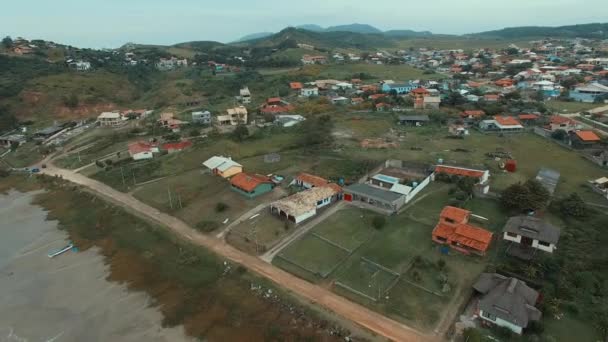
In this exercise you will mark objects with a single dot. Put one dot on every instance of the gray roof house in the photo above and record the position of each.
(507, 302)
(531, 232)
(414, 120)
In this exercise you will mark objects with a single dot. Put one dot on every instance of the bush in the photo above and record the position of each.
(221, 207)
(378, 222)
(207, 226)
(441, 264)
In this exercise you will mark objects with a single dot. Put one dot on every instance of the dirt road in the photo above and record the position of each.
(366, 318)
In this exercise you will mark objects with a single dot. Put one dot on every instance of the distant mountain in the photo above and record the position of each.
(328, 40)
(407, 33)
(356, 28)
(311, 27)
(254, 36)
(595, 30)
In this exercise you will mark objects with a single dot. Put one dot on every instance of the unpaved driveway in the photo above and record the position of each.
(366, 318)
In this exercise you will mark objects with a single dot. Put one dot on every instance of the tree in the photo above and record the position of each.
(559, 134)
(573, 206)
(71, 101)
(527, 196)
(7, 42)
(539, 195)
(455, 99)
(221, 207)
(240, 133)
(317, 132)
(378, 222)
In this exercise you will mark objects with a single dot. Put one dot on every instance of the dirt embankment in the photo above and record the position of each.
(36, 103)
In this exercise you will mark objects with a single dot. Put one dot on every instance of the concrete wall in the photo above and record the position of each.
(548, 249)
(512, 239)
(143, 155)
(502, 323)
(417, 189)
(306, 216)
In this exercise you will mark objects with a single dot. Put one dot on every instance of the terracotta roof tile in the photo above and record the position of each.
(249, 182)
(451, 170)
(587, 136)
(312, 179)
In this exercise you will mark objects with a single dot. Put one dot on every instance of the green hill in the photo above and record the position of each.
(595, 30)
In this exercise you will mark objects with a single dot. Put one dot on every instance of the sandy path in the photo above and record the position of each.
(366, 318)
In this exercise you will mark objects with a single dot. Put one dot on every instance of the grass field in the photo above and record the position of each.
(570, 107)
(531, 152)
(405, 238)
(26, 155)
(398, 73)
(348, 228)
(259, 234)
(198, 194)
(318, 264)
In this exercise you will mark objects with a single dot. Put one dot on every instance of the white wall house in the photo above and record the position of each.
(303, 205)
(308, 92)
(531, 232)
(506, 302)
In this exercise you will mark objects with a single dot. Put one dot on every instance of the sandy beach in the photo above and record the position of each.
(66, 298)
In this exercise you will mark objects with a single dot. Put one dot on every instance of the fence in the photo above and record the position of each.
(416, 190)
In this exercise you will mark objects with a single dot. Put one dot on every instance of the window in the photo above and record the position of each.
(488, 315)
(544, 244)
(513, 235)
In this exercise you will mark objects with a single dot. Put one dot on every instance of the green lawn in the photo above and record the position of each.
(319, 263)
(26, 155)
(531, 152)
(348, 228)
(398, 73)
(571, 107)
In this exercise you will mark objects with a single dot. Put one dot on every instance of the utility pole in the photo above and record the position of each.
(122, 174)
(79, 160)
(179, 200)
(170, 200)
(133, 174)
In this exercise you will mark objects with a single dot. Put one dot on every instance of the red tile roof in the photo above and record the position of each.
(248, 182)
(451, 170)
(420, 90)
(461, 233)
(177, 146)
(456, 214)
(335, 187)
(506, 120)
(140, 146)
(273, 100)
(312, 179)
(296, 85)
(473, 113)
(587, 136)
(558, 120)
(528, 116)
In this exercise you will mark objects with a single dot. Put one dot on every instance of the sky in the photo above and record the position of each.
(111, 23)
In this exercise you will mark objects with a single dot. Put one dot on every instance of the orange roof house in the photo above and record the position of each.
(506, 120)
(251, 185)
(491, 98)
(454, 230)
(473, 114)
(464, 172)
(306, 180)
(505, 82)
(587, 136)
(376, 96)
(525, 117)
(296, 86)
